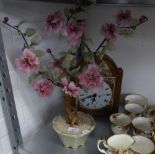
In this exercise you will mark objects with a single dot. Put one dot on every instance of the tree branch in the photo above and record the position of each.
(19, 31)
(87, 47)
(68, 18)
(104, 40)
(133, 26)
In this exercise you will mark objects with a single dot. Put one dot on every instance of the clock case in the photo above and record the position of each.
(110, 69)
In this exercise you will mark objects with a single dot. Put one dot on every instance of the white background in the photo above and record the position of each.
(135, 55)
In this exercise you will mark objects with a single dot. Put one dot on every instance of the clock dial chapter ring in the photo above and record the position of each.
(95, 100)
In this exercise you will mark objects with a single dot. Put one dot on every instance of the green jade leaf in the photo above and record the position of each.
(110, 46)
(39, 53)
(36, 40)
(67, 61)
(74, 71)
(126, 32)
(80, 15)
(30, 32)
(32, 77)
(89, 57)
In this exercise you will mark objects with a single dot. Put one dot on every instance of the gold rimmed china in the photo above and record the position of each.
(120, 123)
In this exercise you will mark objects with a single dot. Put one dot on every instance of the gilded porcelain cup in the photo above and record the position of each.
(116, 144)
(120, 123)
(143, 126)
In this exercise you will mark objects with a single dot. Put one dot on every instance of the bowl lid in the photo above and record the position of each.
(142, 145)
(134, 108)
(120, 119)
(136, 98)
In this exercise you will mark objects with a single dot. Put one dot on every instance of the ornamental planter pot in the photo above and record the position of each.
(74, 137)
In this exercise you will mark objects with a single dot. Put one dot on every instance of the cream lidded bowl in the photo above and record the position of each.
(134, 109)
(120, 123)
(143, 126)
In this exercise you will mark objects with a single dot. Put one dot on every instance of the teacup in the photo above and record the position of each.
(134, 109)
(143, 126)
(137, 98)
(116, 144)
(142, 145)
(120, 123)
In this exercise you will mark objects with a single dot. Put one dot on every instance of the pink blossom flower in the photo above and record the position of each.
(28, 62)
(91, 78)
(123, 17)
(75, 32)
(43, 87)
(109, 31)
(70, 88)
(54, 22)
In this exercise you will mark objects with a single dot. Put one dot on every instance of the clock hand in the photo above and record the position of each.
(90, 96)
(93, 99)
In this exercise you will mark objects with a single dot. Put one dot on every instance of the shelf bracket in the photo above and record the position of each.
(7, 101)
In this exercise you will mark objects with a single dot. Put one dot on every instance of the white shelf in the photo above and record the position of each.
(46, 141)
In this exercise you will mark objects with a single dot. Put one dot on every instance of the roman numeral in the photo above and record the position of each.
(105, 100)
(106, 88)
(107, 94)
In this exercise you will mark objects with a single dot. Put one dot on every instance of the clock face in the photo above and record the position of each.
(96, 99)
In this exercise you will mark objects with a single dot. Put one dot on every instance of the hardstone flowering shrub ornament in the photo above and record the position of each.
(65, 71)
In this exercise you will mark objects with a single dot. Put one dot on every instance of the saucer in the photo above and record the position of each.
(142, 145)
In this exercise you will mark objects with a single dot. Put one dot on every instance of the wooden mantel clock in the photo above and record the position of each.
(105, 101)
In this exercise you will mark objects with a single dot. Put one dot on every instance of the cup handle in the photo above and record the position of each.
(105, 145)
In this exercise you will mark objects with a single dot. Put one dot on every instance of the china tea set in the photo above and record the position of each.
(138, 120)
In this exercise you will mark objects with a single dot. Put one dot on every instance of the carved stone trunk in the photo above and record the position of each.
(71, 110)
